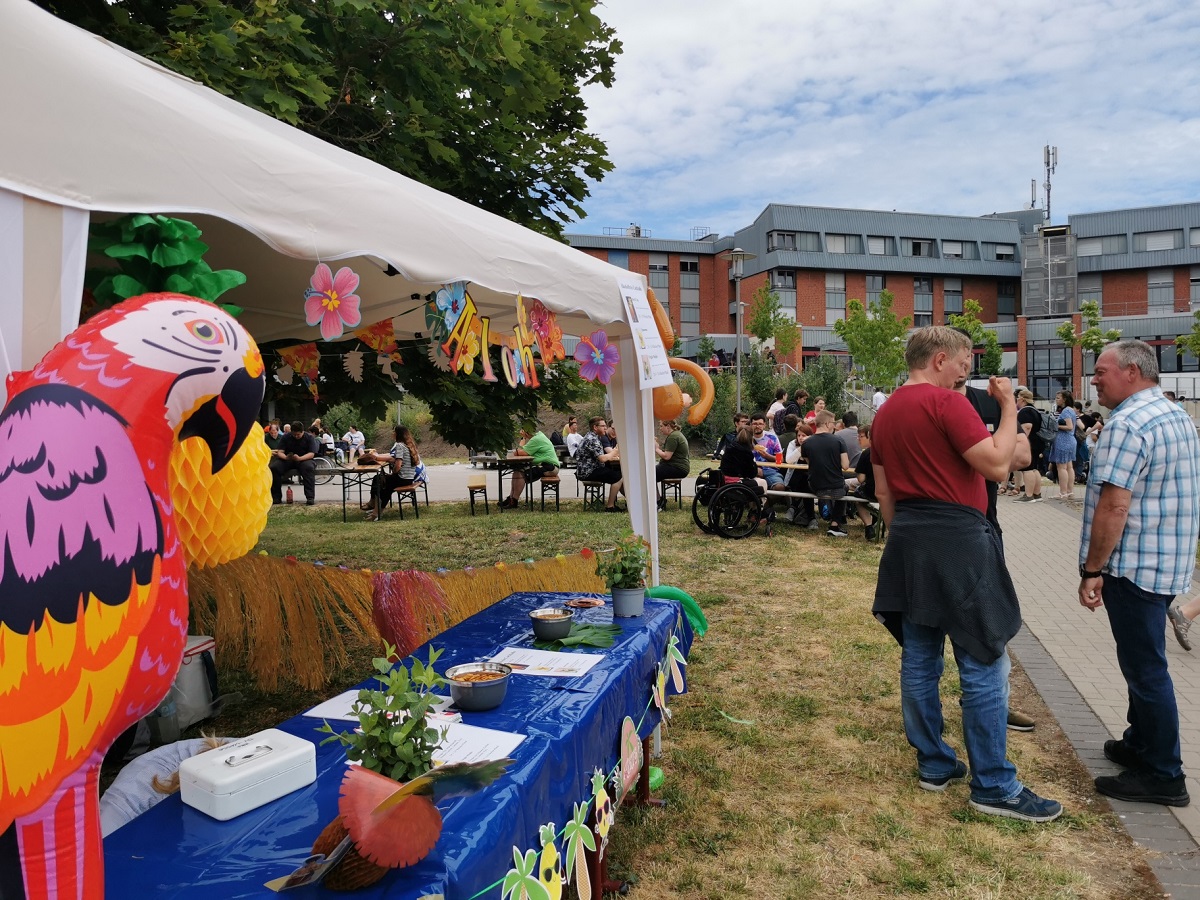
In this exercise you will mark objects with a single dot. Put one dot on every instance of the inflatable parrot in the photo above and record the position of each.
(93, 587)
(669, 400)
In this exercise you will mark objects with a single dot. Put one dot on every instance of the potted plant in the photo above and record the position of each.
(624, 571)
(393, 739)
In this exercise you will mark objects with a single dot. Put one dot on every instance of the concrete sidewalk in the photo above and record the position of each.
(1069, 654)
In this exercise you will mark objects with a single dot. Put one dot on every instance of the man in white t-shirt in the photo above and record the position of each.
(355, 439)
(878, 400)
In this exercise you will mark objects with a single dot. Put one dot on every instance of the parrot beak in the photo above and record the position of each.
(223, 421)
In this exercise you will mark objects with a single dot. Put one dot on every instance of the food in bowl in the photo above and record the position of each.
(478, 686)
(584, 602)
(551, 623)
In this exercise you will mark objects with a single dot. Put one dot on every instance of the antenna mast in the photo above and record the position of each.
(1050, 158)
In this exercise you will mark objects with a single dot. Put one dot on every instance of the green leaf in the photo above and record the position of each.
(126, 287)
(124, 251)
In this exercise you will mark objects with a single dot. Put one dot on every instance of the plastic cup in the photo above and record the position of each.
(779, 457)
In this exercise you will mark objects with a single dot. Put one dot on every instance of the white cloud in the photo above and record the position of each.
(721, 108)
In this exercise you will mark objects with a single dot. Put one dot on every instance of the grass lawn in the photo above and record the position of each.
(787, 771)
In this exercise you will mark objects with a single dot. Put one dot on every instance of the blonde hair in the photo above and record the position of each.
(170, 784)
(927, 342)
(824, 417)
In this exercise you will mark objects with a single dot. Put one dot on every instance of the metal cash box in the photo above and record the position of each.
(247, 773)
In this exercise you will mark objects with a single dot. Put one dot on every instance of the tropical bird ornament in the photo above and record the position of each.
(93, 573)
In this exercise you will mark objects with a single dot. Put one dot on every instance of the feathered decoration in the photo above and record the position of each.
(409, 608)
(352, 362)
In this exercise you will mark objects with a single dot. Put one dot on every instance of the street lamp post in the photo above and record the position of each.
(737, 256)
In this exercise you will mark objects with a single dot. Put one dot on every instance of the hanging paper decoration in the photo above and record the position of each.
(451, 300)
(331, 302)
(603, 805)
(660, 693)
(677, 660)
(631, 757)
(385, 362)
(304, 359)
(380, 337)
(435, 323)
(597, 358)
(284, 374)
(548, 333)
(578, 837)
(550, 864)
(521, 882)
(352, 362)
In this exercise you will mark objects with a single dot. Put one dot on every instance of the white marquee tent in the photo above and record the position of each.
(90, 128)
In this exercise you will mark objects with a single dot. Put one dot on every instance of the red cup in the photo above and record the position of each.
(779, 457)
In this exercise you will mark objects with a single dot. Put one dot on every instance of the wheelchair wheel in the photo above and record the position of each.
(322, 470)
(706, 486)
(735, 511)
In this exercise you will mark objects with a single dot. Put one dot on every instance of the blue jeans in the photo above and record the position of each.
(1136, 618)
(984, 713)
(773, 478)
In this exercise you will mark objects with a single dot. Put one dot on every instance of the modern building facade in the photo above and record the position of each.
(1142, 266)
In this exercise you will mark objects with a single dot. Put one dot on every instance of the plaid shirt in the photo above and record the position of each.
(1149, 447)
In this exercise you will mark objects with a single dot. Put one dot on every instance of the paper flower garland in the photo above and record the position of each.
(330, 301)
(549, 334)
(597, 358)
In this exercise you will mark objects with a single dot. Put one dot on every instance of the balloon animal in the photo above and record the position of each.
(669, 400)
(93, 586)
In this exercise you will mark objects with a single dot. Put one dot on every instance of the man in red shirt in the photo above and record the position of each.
(943, 574)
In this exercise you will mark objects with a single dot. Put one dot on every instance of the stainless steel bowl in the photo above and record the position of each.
(552, 622)
(476, 696)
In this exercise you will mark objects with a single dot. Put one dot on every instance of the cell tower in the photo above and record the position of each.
(1050, 159)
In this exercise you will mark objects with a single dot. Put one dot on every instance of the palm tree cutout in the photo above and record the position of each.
(521, 882)
(660, 693)
(579, 837)
(675, 655)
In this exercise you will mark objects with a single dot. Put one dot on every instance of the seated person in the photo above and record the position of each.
(272, 435)
(801, 511)
(571, 435)
(595, 463)
(865, 476)
(737, 463)
(766, 449)
(826, 462)
(328, 446)
(730, 437)
(818, 405)
(296, 451)
(674, 458)
(357, 441)
(404, 459)
(545, 462)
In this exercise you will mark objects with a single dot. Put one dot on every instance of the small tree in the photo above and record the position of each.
(968, 320)
(705, 350)
(1190, 341)
(1091, 338)
(875, 338)
(768, 320)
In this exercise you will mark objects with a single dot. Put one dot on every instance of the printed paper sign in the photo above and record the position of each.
(654, 369)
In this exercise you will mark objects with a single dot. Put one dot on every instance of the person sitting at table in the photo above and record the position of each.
(357, 442)
(766, 449)
(730, 437)
(594, 463)
(328, 445)
(272, 435)
(818, 406)
(295, 453)
(737, 463)
(571, 436)
(403, 459)
(545, 462)
(827, 461)
(799, 511)
(610, 435)
(674, 459)
(865, 476)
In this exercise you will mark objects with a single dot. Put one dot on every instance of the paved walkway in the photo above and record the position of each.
(1069, 655)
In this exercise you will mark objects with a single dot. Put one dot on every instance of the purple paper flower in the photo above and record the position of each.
(330, 300)
(597, 358)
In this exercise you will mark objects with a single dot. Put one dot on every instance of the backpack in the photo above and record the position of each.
(1048, 430)
(778, 420)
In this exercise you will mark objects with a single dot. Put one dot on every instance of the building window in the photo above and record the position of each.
(1006, 302)
(784, 278)
(881, 246)
(689, 320)
(781, 240)
(835, 297)
(875, 284)
(952, 294)
(618, 258)
(952, 250)
(787, 301)
(689, 272)
(658, 262)
(1195, 237)
(1005, 252)
(1160, 289)
(1195, 285)
(1148, 241)
(922, 302)
(1090, 287)
(916, 247)
(1101, 246)
(843, 243)
(659, 277)
(1048, 368)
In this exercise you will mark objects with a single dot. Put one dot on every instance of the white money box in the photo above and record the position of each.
(247, 773)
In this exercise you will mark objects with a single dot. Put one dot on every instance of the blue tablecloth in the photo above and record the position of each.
(572, 728)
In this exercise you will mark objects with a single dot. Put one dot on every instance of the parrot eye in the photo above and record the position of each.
(205, 332)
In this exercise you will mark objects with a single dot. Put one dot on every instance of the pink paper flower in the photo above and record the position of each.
(597, 358)
(331, 301)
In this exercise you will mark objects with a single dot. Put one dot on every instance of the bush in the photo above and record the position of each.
(825, 377)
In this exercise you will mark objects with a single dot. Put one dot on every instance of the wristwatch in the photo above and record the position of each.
(1084, 573)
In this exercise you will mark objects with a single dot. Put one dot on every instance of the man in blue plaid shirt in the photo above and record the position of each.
(1141, 520)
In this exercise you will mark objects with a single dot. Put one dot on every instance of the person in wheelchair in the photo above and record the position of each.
(737, 463)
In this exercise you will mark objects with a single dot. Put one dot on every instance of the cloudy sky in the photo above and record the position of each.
(720, 108)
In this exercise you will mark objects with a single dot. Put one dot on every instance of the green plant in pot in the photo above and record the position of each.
(624, 571)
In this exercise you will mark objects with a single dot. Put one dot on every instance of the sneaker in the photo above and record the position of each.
(1024, 498)
(1026, 806)
(310, 502)
(870, 532)
(814, 525)
(836, 531)
(1180, 624)
(1018, 721)
(1122, 754)
(1142, 787)
(1037, 498)
(940, 784)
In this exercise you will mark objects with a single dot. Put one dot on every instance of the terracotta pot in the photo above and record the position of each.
(354, 871)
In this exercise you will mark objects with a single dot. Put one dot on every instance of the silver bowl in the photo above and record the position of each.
(552, 622)
(477, 696)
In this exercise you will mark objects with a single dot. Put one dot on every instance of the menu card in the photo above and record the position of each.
(527, 661)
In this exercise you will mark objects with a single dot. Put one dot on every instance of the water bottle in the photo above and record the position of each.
(289, 495)
(164, 721)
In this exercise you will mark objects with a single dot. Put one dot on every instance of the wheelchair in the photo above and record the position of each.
(733, 510)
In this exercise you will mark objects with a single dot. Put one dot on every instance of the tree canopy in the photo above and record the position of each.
(768, 320)
(875, 338)
(1091, 337)
(992, 357)
(479, 99)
